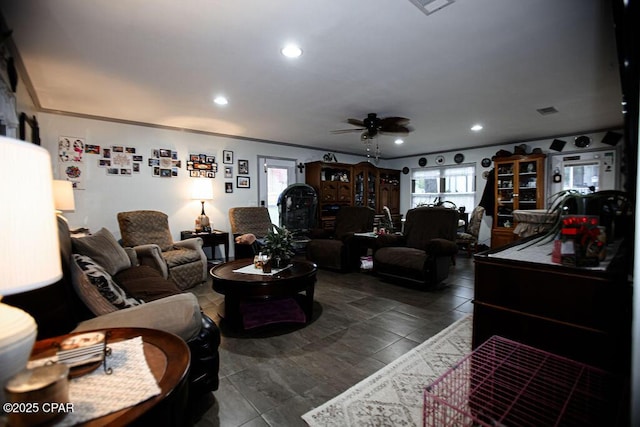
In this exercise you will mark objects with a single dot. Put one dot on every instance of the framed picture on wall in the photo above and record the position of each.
(243, 167)
(227, 157)
(228, 171)
(228, 187)
(243, 182)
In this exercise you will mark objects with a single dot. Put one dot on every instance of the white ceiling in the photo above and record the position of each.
(489, 61)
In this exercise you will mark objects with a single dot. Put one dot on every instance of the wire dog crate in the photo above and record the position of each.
(505, 383)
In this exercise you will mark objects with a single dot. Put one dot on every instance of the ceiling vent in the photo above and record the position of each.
(547, 110)
(431, 6)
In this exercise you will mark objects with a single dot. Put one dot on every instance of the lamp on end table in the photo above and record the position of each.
(29, 248)
(202, 190)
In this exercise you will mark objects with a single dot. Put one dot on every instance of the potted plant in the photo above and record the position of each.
(278, 245)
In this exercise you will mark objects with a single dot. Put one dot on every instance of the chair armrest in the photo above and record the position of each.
(151, 255)
(194, 243)
(441, 247)
(179, 314)
(386, 240)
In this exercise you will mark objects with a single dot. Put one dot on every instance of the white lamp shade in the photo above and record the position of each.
(202, 189)
(29, 249)
(63, 195)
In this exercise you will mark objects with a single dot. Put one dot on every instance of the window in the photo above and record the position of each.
(453, 184)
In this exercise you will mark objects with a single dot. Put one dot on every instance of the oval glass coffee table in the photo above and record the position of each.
(273, 295)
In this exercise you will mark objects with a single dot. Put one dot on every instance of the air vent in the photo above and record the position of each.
(547, 110)
(431, 6)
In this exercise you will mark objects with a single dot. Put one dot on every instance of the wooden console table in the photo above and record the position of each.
(580, 313)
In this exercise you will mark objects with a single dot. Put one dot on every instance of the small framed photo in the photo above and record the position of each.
(243, 182)
(243, 167)
(228, 171)
(227, 157)
(228, 187)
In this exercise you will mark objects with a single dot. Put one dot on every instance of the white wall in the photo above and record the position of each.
(474, 157)
(104, 196)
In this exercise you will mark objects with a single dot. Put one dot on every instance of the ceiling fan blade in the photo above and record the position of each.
(356, 122)
(394, 121)
(347, 130)
(398, 129)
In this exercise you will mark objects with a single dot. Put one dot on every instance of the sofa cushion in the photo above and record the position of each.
(102, 280)
(103, 248)
(146, 283)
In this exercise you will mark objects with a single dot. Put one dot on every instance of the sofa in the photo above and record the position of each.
(104, 286)
(422, 253)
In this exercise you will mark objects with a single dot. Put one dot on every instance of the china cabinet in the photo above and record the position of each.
(519, 185)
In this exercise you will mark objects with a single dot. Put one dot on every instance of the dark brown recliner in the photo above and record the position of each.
(422, 254)
(338, 250)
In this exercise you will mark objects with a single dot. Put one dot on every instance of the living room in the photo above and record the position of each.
(99, 195)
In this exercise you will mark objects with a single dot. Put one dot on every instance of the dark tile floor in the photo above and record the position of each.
(361, 323)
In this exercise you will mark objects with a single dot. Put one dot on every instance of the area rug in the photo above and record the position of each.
(393, 396)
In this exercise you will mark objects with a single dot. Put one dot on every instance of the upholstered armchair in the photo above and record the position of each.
(147, 231)
(468, 239)
(422, 254)
(249, 224)
(338, 250)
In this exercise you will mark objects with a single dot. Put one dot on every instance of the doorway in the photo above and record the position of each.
(275, 175)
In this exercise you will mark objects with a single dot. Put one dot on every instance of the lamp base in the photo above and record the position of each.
(18, 332)
(205, 225)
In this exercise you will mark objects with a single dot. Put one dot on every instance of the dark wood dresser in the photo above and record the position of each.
(580, 313)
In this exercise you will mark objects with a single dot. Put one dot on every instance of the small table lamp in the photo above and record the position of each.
(29, 248)
(63, 199)
(202, 190)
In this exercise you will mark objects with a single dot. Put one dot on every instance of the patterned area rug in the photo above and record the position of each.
(393, 396)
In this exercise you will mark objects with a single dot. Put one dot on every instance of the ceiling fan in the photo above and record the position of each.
(372, 125)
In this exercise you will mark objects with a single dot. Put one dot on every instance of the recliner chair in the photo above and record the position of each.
(422, 254)
(338, 250)
(248, 220)
(186, 262)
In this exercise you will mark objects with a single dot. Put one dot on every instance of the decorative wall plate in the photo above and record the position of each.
(486, 162)
(440, 160)
(405, 170)
(422, 161)
(458, 158)
(582, 141)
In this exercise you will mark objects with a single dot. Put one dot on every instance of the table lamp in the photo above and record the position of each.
(29, 248)
(202, 190)
(63, 199)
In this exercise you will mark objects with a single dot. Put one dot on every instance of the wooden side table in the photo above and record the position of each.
(168, 358)
(211, 240)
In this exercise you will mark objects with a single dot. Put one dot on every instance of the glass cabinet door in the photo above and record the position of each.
(505, 185)
(527, 185)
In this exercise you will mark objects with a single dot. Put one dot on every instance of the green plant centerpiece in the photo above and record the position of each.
(278, 245)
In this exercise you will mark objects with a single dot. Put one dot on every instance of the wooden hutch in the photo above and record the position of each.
(519, 184)
(362, 184)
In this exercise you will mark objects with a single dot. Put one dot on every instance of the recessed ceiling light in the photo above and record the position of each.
(476, 127)
(221, 100)
(291, 51)
(399, 141)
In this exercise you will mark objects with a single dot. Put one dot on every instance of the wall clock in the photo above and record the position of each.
(422, 161)
(440, 160)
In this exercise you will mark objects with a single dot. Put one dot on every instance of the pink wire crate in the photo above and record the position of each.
(505, 383)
